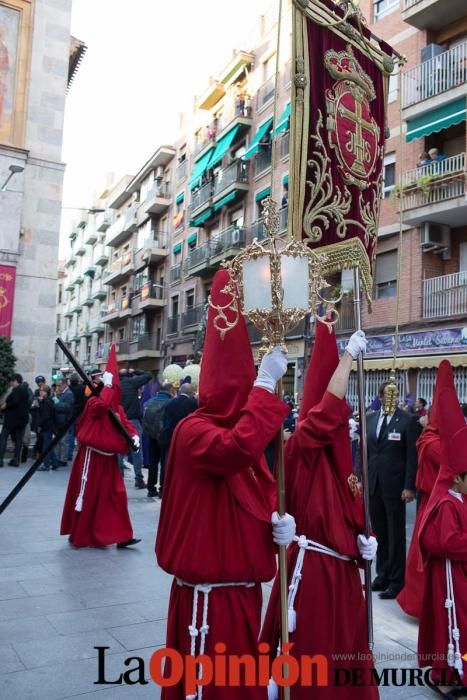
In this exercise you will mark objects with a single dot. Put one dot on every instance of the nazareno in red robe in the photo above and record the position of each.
(330, 606)
(443, 543)
(104, 518)
(429, 454)
(215, 522)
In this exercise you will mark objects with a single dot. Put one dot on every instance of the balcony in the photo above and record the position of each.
(75, 306)
(445, 296)
(67, 311)
(285, 144)
(69, 285)
(79, 279)
(101, 255)
(153, 297)
(429, 81)
(233, 178)
(111, 312)
(90, 237)
(158, 199)
(265, 93)
(263, 161)
(96, 325)
(155, 248)
(86, 331)
(432, 14)
(103, 221)
(125, 306)
(121, 268)
(201, 199)
(88, 299)
(258, 230)
(283, 218)
(180, 171)
(227, 244)
(436, 192)
(99, 292)
(141, 347)
(81, 250)
(71, 260)
(122, 227)
(173, 323)
(240, 115)
(191, 318)
(198, 261)
(175, 274)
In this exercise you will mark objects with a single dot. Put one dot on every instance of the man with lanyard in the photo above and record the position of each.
(215, 534)
(327, 614)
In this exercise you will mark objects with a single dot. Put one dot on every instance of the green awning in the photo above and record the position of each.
(191, 240)
(283, 122)
(263, 194)
(201, 218)
(225, 200)
(285, 180)
(223, 145)
(177, 248)
(180, 198)
(258, 137)
(436, 120)
(200, 168)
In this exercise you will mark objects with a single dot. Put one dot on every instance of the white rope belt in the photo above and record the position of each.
(454, 657)
(202, 632)
(84, 476)
(305, 545)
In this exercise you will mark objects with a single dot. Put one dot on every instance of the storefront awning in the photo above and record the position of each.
(263, 194)
(191, 240)
(258, 137)
(440, 118)
(419, 362)
(201, 218)
(283, 122)
(225, 200)
(177, 248)
(223, 146)
(180, 198)
(200, 168)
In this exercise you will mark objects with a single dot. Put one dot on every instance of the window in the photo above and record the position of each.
(121, 333)
(269, 68)
(393, 90)
(389, 174)
(60, 293)
(386, 275)
(384, 7)
(236, 218)
(190, 299)
(174, 303)
(139, 326)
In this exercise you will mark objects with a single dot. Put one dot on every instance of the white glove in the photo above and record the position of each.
(273, 690)
(283, 529)
(357, 344)
(107, 378)
(367, 546)
(136, 442)
(273, 366)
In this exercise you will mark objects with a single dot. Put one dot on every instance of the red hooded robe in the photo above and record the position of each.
(429, 455)
(103, 518)
(330, 607)
(215, 522)
(443, 538)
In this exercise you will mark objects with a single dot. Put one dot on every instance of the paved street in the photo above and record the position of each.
(57, 603)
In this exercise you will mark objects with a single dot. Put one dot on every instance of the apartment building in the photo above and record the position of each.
(431, 91)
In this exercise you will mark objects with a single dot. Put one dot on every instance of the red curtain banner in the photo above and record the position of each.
(7, 295)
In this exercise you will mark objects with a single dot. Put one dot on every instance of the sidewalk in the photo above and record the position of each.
(57, 603)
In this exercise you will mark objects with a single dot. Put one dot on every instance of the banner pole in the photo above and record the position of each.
(363, 455)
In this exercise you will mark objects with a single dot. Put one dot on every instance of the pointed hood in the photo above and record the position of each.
(453, 439)
(112, 366)
(322, 365)
(444, 380)
(227, 367)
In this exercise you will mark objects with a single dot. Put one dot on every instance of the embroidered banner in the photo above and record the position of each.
(7, 295)
(338, 130)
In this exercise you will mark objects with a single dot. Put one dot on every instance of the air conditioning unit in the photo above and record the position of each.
(159, 174)
(435, 237)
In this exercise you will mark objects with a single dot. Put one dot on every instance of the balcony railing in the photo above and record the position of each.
(180, 171)
(266, 92)
(233, 237)
(445, 296)
(410, 3)
(433, 77)
(258, 230)
(430, 184)
(283, 218)
(262, 160)
(193, 316)
(158, 239)
(200, 197)
(198, 256)
(148, 341)
(151, 290)
(235, 172)
(175, 274)
(172, 325)
(285, 144)
(346, 321)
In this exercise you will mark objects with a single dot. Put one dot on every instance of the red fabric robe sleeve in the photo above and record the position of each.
(221, 451)
(321, 423)
(444, 537)
(99, 405)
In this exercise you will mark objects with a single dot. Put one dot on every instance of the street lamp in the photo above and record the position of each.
(92, 210)
(13, 170)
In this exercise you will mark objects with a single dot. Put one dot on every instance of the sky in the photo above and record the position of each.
(146, 60)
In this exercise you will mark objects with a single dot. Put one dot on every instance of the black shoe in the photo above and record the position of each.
(62, 463)
(129, 543)
(379, 584)
(152, 494)
(140, 485)
(390, 593)
(13, 463)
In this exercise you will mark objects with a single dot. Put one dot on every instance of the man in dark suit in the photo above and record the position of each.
(392, 469)
(16, 417)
